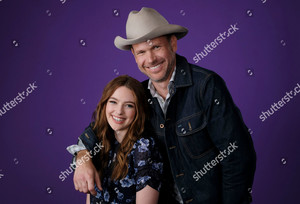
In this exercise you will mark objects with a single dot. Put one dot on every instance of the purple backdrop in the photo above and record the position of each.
(63, 51)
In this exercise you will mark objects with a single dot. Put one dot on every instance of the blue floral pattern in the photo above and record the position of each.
(145, 168)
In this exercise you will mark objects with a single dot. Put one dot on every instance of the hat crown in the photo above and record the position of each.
(144, 25)
(139, 23)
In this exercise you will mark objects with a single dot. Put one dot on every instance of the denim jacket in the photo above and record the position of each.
(204, 139)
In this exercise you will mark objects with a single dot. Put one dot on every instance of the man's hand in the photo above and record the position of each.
(86, 175)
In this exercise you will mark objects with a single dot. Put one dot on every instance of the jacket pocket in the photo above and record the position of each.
(190, 124)
(193, 136)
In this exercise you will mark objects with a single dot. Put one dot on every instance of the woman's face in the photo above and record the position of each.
(121, 110)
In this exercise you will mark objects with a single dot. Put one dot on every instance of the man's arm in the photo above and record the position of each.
(86, 175)
(230, 135)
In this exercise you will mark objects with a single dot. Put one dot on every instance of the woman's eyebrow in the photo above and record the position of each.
(113, 98)
(129, 102)
(124, 101)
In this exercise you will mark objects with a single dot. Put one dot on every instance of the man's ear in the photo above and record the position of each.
(132, 51)
(173, 43)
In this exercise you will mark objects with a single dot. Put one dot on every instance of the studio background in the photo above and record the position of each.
(63, 50)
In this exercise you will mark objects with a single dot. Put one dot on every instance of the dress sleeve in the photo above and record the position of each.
(148, 165)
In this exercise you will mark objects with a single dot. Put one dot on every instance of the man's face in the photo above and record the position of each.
(156, 58)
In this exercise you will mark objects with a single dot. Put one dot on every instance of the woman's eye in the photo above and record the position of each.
(129, 106)
(156, 47)
(112, 102)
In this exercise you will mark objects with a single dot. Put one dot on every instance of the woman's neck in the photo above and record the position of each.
(119, 135)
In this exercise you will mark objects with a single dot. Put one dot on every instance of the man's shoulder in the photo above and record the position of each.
(201, 73)
(205, 71)
(197, 72)
(205, 76)
(145, 84)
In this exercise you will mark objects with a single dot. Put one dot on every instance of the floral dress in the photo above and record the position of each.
(144, 168)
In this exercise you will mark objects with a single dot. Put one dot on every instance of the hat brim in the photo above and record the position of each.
(177, 30)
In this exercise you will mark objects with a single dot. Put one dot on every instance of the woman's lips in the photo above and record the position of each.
(118, 120)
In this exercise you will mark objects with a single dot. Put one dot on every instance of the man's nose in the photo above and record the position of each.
(151, 57)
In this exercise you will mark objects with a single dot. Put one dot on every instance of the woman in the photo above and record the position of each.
(130, 164)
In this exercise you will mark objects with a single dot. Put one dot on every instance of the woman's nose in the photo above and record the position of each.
(120, 110)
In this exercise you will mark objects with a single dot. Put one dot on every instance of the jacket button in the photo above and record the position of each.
(178, 175)
(173, 147)
(161, 126)
(188, 201)
(183, 190)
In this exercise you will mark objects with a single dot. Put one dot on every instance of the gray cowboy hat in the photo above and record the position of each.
(147, 24)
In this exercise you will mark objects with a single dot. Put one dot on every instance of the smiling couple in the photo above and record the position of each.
(149, 154)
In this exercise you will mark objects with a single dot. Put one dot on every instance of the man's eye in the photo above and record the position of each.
(156, 47)
(140, 52)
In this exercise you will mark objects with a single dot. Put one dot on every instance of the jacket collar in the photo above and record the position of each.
(183, 75)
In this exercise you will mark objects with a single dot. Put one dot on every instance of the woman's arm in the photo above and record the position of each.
(148, 166)
(147, 195)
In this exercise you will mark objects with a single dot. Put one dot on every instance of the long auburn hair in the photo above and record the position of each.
(105, 133)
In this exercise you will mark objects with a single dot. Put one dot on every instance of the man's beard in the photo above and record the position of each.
(168, 72)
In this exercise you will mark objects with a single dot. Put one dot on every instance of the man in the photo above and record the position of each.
(208, 153)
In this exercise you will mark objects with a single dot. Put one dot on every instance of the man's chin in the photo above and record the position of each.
(158, 80)
(164, 78)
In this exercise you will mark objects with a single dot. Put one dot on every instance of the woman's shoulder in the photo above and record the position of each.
(144, 143)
